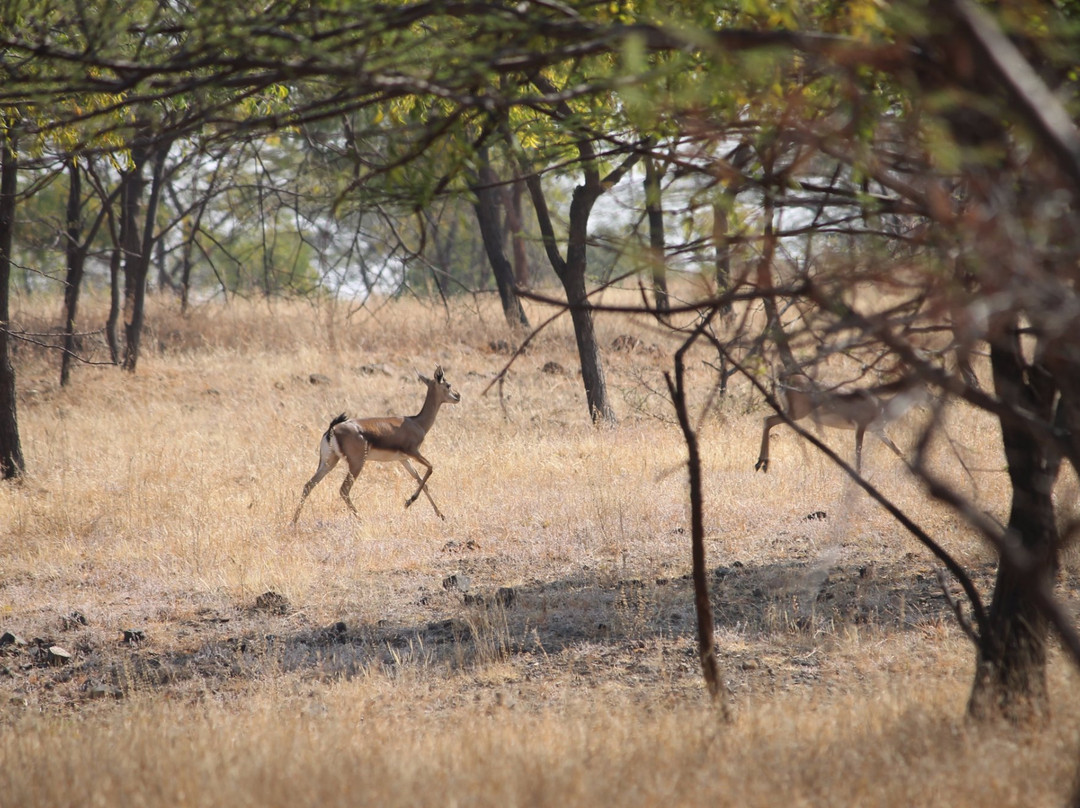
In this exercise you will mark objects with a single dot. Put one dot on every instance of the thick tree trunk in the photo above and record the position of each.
(654, 210)
(12, 464)
(1010, 672)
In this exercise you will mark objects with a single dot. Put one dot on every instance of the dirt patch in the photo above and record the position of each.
(777, 624)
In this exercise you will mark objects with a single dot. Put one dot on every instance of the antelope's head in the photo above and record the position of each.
(446, 394)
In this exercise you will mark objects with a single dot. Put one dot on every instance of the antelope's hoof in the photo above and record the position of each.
(762, 465)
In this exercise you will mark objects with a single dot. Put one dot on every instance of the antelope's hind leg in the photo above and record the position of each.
(327, 461)
(356, 465)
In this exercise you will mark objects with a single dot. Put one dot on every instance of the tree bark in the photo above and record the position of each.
(12, 464)
(1010, 671)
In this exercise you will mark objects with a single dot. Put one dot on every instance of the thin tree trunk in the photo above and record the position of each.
(765, 285)
(573, 280)
(12, 464)
(722, 251)
(137, 257)
(115, 297)
(710, 666)
(76, 261)
(515, 225)
(487, 216)
(654, 210)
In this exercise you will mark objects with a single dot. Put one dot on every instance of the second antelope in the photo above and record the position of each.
(358, 440)
(867, 409)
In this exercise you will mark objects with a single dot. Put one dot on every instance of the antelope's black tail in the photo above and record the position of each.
(335, 422)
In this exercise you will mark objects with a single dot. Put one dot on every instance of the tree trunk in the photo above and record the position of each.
(114, 304)
(76, 261)
(654, 211)
(515, 226)
(12, 464)
(722, 251)
(573, 281)
(710, 666)
(137, 251)
(487, 216)
(571, 272)
(1010, 671)
(592, 368)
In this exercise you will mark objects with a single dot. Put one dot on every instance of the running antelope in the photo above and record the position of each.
(867, 409)
(358, 440)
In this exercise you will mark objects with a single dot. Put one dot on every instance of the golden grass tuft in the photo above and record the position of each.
(161, 502)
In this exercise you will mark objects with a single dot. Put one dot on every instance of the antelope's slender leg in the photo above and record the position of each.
(763, 455)
(888, 442)
(416, 476)
(326, 464)
(356, 465)
(419, 458)
(860, 431)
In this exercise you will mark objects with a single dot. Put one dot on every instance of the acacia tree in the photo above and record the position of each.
(906, 188)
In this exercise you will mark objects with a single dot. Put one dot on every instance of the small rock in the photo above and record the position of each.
(339, 628)
(105, 692)
(371, 370)
(318, 378)
(456, 581)
(626, 343)
(7, 638)
(272, 602)
(815, 516)
(55, 655)
(73, 621)
(750, 665)
(134, 636)
(553, 368)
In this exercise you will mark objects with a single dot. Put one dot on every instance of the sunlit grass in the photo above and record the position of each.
(163, 501)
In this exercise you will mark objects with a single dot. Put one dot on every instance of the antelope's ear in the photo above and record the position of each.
(438, 373)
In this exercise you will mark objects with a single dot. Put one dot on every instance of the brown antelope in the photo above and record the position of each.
(867, 409)
(358, 440)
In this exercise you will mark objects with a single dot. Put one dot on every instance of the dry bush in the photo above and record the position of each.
(161, 502)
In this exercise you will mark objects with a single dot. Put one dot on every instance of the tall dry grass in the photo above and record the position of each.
(161, 501)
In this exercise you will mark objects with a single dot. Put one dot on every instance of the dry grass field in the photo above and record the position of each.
(536, 648)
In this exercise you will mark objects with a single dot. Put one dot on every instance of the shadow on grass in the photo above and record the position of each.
(583, 625)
